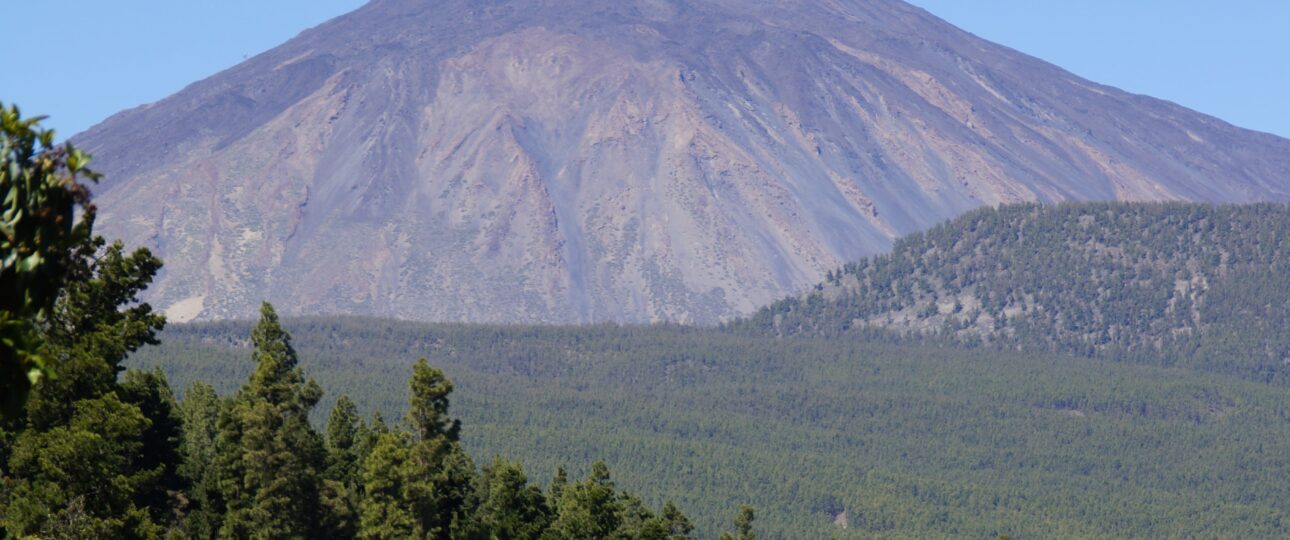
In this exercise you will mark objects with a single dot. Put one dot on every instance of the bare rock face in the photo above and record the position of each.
(617, 160)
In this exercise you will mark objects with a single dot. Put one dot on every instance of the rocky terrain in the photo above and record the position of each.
(624, 160)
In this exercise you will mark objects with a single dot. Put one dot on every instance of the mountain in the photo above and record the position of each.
(1175, 284)
(624, 160)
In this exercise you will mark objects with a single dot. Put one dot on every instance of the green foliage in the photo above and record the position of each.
(590, 509)
(428, 407)
(39, 197)
(743, 525)
(92, 453)
(159, 443)
(86, 472)
(897, 441)
(510, 507)
(1166, 284)
(95, 324)
(342, 481)
(200, 411)
(386, 511)
(268, 459)
(344, 430)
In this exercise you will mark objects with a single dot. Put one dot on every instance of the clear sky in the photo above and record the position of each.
(79, 61)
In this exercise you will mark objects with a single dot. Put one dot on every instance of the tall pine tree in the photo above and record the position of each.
(342, 481)
(201, 411)
(269, 460)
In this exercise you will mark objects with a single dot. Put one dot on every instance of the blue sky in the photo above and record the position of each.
(1222, 57)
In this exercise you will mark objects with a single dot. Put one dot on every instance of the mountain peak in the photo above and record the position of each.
(576, 161)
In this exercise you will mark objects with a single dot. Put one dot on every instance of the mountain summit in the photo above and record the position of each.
(617, 160)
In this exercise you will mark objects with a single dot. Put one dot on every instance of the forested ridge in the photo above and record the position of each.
(1169, 284)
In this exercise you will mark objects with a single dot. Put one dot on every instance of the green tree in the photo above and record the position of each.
(345, 430)
(83, 476)
(420, 484)
(94, 326)
(200, 410)
(385, 512)
(268, 458)
(428, 404)
(678, 526)
(161, 441)
(743, 525)
(39, 197)
(342, 481)
(92, 453)
(510, 507)
(589, 509)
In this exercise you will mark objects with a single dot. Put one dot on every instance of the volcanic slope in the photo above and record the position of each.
(626, 160)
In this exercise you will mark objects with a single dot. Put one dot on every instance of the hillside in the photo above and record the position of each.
(1200, 285)
(636, 160)
(909, 442)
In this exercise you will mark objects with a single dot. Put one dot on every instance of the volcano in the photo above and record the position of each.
(575, 161)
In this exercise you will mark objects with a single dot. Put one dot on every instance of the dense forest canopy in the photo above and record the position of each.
(895, 441)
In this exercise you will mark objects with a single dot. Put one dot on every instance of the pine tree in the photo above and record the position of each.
(96, 323)
(440, 474)
(743, 525)
(201, 410)
(149, 391)
(386, 512)
(589, 509)
(420, 484)
(342, 481)
(428, 404)
(558, 483)
(345, 431)
(510, 507)
(677, 525)
(268, 458)
(82, 477)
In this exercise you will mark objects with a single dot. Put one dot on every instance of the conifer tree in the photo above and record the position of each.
(81, 478)
(420, 484)
(386, 511)
(201, 410)
(345, 430)
(558, 482)
(589, 509)
(510, 507)
(677, 526)
(342, 481)
(161, 454)
(743, 525)
(428, 404)
(269, 459)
